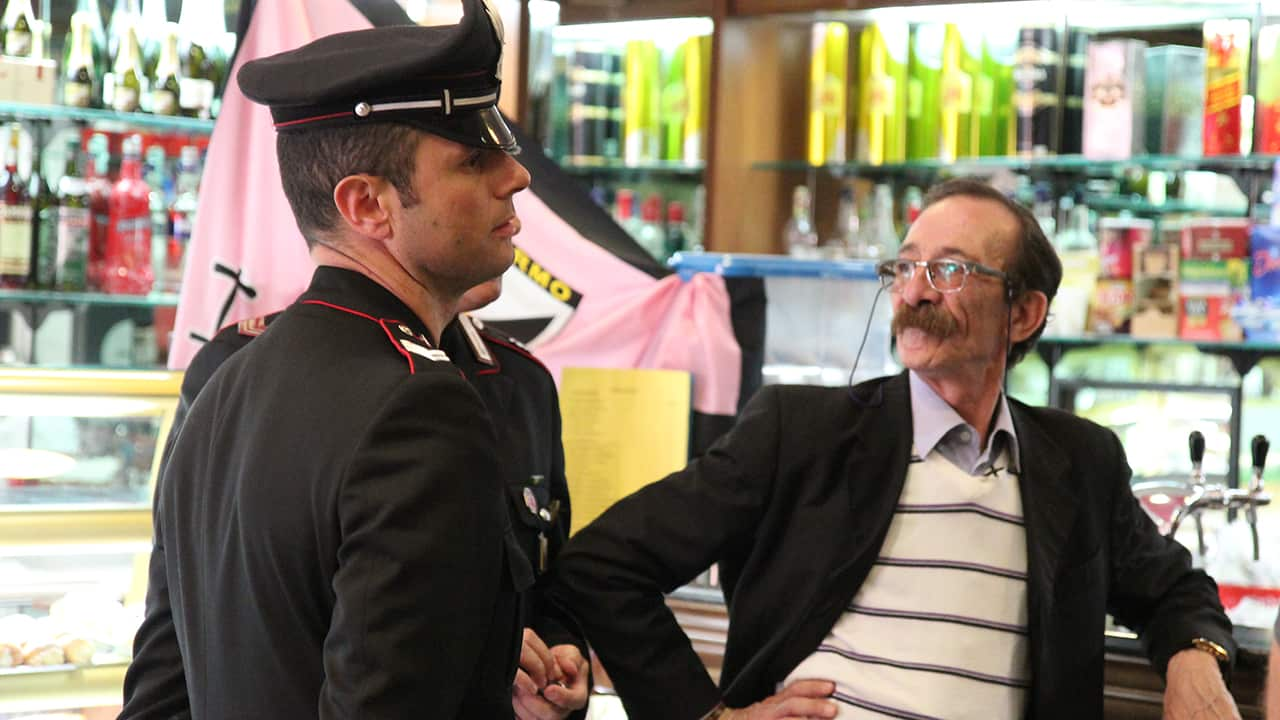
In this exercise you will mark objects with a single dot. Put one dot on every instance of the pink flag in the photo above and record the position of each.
(245, 235)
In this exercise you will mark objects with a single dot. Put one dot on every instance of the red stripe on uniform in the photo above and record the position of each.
(517, 349)
(357, 313)
(317, 118)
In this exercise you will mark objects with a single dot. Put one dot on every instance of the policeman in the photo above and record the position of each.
(323, 546)
(520, 395)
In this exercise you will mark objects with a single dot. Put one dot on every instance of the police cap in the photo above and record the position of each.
(443, 79)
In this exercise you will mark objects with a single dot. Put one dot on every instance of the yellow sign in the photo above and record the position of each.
(622, 429)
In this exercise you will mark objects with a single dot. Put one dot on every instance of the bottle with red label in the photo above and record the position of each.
(98, 186)
(183, 215)
(128, 251)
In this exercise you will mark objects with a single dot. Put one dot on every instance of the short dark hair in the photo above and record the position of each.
(313, 162)
(1035, 265)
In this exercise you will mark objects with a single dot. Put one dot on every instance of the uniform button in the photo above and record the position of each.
(965, 436)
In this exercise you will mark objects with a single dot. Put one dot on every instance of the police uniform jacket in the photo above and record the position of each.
(795, 503)
(521, 397)
(330, 537)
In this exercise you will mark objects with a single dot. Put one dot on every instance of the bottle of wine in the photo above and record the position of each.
(125, 12)
(127, 70)
(128, 256)
(15, 218)
(98, 186)
(44, 227)
(18, 28)
(196, 50)
(798, 235)
(73, 224)
(79, 75)
(166, 81)
(155, 18)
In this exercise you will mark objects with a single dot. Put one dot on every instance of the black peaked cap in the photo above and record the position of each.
(442, 79)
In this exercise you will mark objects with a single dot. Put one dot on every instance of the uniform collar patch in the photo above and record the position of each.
(471, 328)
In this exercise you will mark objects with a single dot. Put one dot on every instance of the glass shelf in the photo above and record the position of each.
(747, 265)
(623, 169)
(1140, 206)
(1061, 163)
(1129, 340)
(54, 297)
(106, 118)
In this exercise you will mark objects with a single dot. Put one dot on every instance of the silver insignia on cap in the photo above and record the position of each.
(363, 109)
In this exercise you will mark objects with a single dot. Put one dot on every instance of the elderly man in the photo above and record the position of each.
(918, 546)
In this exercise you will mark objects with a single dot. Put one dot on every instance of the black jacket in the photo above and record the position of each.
(330, 536)
(795, 502)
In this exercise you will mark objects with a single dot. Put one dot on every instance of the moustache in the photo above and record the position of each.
(930, 319)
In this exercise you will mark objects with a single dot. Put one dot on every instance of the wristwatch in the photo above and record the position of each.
(1218, 652)
(716, 712)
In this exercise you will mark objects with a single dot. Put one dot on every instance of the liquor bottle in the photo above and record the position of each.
(847, 224)
(640, 102)
(677, 240)
(882, 129)
(166, 81)
(44, 229)
(798, 235)
(127, 72)
(125, 13)
(128, 256)
(924, 76)
(155, 20)
(197, 49)
(79, 74)
(183, 215)
(73, 224)
(87, 13)
(650, 234)
(18, 28)
(15, 220)
(697, 88)
(912, 206)
(674, 108)
(159, 198)
(828, 80)
(624, 212)
(878, 238)
(98, 184)
(1038, 81)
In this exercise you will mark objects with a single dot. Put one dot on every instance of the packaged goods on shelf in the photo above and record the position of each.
(1268, 89)
(1259, 315)
(1073, 91)
(1118, 237)
(1037, 98)
(28, 80)
(828, 101)
(1112, 307)
(1113, 104)
(1155, 291)
(1174, 100)
(1226, 43)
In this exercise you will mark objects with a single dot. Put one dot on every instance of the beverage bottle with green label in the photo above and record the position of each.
(73, 222)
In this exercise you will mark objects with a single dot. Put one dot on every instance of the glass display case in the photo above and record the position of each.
(79, 451)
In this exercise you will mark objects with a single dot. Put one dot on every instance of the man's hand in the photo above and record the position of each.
(801, 700)
(1194, 688)
(550, 683)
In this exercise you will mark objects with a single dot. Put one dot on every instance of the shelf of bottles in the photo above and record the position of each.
(623, 107)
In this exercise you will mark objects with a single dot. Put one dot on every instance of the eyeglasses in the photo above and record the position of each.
(945, 276)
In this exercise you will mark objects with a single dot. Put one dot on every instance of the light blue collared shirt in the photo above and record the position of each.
(937, 426)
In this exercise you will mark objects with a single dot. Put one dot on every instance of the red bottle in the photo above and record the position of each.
(98, 185)
(128, 251)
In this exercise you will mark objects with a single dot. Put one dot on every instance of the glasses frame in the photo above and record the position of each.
(889, 277)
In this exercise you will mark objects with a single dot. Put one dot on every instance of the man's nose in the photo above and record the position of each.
(917, 289)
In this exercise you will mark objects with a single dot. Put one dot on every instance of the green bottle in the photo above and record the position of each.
(18, 29)
(127, 93)
(73, 224)
(166, 81)
(79, 74)
(44, 229)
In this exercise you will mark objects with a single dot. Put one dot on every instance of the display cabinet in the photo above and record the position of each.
(79, 451)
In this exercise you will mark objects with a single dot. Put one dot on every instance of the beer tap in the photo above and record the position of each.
(1217, 496)
(1256, 495)
(1197, 499)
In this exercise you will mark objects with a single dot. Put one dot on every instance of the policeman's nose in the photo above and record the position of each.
(515, 176)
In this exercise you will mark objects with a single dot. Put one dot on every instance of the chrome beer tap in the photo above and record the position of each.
(1256, 495)
(1199, 497)
(1217, 496)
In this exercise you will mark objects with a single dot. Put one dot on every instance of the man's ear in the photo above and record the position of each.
(361, 201)
(1029, 310)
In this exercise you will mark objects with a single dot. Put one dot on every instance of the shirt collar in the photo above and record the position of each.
(932, 418)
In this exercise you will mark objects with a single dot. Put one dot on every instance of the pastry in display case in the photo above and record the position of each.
(79, 451)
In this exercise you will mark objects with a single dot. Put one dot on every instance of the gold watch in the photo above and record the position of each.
(1217, 651)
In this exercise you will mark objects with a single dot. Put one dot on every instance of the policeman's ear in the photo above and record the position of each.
(361, 200)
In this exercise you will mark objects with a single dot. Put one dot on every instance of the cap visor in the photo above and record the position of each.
(477, 128)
